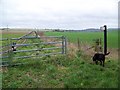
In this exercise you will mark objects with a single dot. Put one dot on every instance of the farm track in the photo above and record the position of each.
(13, 32)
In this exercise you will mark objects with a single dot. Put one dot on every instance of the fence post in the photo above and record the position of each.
(62, 44)
(65, 45)
(105, 40)
(78, 43)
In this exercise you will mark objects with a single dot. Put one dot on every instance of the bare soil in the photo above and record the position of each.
(13, 32)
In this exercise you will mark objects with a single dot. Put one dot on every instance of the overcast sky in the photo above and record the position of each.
(62, 14)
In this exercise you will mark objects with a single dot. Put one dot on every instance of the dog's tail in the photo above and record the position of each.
(107, 53)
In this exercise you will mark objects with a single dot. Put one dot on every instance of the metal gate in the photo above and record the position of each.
(13, 49)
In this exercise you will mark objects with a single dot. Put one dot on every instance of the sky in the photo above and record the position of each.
(58, 14)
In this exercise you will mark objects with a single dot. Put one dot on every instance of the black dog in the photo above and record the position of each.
(99, 57)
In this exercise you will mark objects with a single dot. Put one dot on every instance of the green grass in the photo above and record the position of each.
(9, 35)
(88, 37)
(61, 71)
(28, 41)
(83, 36)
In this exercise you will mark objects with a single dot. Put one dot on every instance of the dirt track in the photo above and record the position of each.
(13, 32)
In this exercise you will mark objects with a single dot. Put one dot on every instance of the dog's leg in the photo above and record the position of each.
(96, 62)
(100, 62)
(103, 63)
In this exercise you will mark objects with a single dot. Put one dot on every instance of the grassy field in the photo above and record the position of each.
(61, 72)
(83, 36)
(64, 71)
(89, 37)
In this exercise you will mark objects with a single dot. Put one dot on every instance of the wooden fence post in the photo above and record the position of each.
(78, 44)
(62, 44)
(100, 44)
(65, 45)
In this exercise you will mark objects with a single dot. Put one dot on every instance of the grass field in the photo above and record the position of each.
(61, 72)
(83, 36)
(64, 71)
(89, 37)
